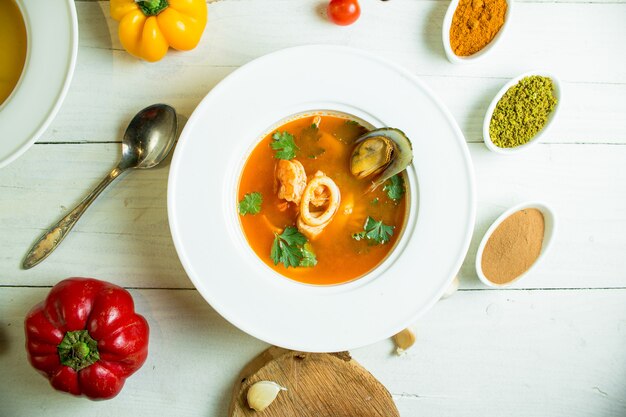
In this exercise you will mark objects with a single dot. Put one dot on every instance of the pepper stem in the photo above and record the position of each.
(78, 350)
(152, 7)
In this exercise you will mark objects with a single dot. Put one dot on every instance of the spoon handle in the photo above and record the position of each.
(48, 242)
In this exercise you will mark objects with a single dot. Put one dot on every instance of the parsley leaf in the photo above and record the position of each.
(292, 249)
(394, 187)
(293, 237)
(250, 204)
(309, 142)
(308, 256)
(284, 145)
(349, 131)
(282, 252)
(374, 231)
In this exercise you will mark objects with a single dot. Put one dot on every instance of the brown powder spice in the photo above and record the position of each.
(514, 246)
(475, 23)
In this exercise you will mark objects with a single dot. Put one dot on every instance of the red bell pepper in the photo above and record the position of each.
(86, 337)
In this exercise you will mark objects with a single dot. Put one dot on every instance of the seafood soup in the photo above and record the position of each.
(322, 200)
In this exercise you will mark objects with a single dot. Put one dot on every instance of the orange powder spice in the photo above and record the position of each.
(514, 246)
(475, 23)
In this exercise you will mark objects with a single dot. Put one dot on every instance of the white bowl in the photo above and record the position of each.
(445, 36)
(204, 178)
(509, 151)
(52, 45)
(548, 237)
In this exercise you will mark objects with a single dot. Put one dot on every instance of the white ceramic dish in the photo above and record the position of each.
(445, 36)
(52, 45)
(202, 199)
(509, 151)
(548, 237)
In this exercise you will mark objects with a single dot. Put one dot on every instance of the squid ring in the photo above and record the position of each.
(309, 192)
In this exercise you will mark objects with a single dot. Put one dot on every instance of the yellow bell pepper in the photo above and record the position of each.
(149, 27)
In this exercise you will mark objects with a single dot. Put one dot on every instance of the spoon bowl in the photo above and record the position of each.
(148, 139)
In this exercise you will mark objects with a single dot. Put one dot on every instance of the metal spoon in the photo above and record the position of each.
(149, 138)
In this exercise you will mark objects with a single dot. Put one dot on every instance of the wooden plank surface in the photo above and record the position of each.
(553, 347)
(241, 30)
(124, 237)
(479, 353)
(110, 86)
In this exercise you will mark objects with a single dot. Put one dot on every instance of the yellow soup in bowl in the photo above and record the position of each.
(12, 47)
(304, 210)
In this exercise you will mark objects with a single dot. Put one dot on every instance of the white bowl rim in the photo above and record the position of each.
(558, 92)
(312, 342)
(445, 35)
(548, 238)
(43, 29)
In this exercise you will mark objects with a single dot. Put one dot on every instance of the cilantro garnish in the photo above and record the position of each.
(308, 142)
(250, 204)
(349, 131)
(394, 187)
(284, 145)
(308, 256)
(292, 249)
(374, 231)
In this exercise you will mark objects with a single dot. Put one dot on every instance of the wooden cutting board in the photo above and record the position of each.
(318, 385)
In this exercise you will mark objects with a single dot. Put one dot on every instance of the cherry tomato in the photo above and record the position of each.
(343, 12)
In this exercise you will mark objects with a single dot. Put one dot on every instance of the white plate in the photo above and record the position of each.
(52, 45)
(202, 199)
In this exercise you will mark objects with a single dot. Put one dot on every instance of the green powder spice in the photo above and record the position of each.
(522, 112)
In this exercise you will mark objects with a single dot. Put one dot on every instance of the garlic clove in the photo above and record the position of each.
(261, 394)
(404, 340)
(452, 288)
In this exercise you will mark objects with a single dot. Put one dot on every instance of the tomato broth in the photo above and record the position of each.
(341, 256)
(12, 47)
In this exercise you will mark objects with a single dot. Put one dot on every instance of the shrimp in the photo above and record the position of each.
(291, 180)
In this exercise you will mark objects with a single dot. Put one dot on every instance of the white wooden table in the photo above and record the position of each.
(554, 347)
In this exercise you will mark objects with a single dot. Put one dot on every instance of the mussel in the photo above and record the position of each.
(381, 154)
